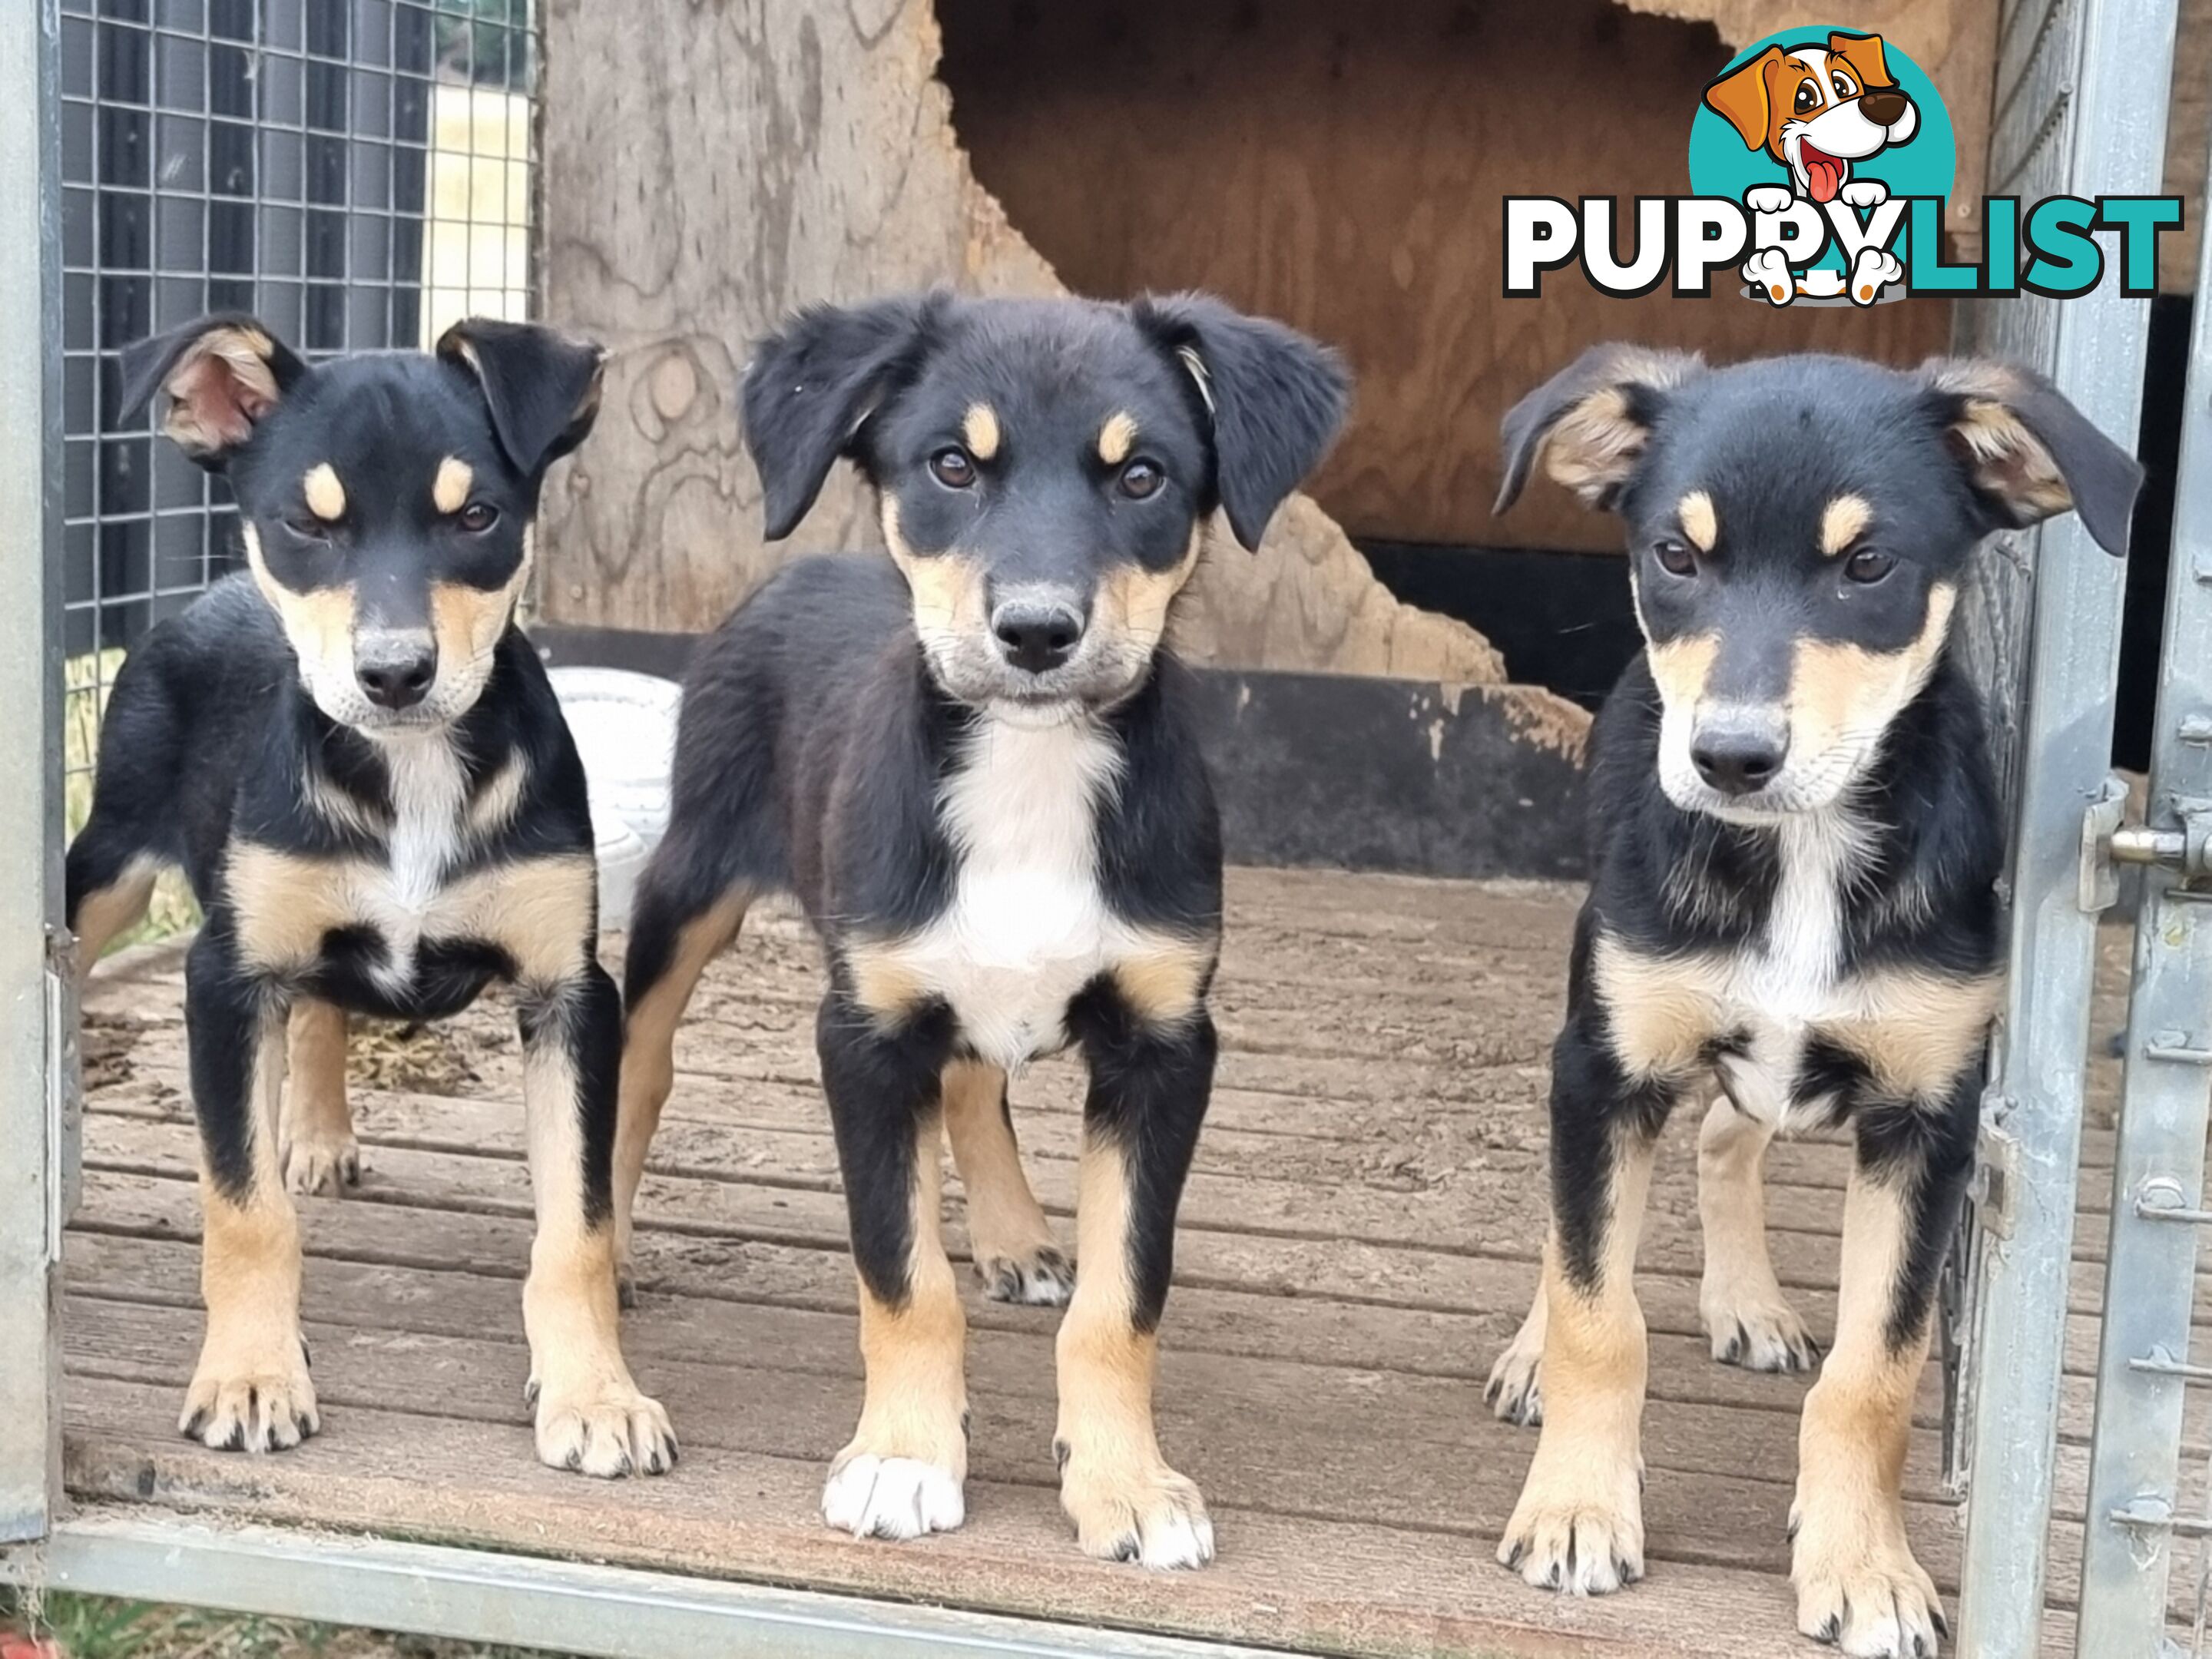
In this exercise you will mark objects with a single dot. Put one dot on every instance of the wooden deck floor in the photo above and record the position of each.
(1358, 1240)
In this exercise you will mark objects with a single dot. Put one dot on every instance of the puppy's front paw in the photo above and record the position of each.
(1768, 198)
(893, 1497)
(255, 1397)
(1767, 272)
(1140, 1512)
(1873, 270)
(606, 1429)
(1864, 193)
(317, 1161)
(1579, 1525)
(1859, 1587)
(1758, 1331)
(1516, 1388)
(1041, 1277)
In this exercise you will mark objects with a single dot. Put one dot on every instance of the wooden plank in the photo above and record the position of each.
(1324, 1586)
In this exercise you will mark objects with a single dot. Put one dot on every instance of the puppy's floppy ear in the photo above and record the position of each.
(542, 385)
(1742, 97)
(1863, 53)
(2028, 453)
(1590, 422)
(222, 373)
(1275, 399)
(812, 387)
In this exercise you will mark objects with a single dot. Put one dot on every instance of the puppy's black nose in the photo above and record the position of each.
(1738, 760)
(1883, 105)
(1036, 637)
(395, 670)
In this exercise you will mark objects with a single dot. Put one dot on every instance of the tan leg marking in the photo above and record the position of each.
(315, 1144)
(1747, 1319)
(591, 1416)
(902, 1474)
(250, 1390)
(1008, 1240)
(648, 1064)
(1126, 1503)
(1857, 1581)
(1516, 1388)
(105, 916)
(1579, 1524)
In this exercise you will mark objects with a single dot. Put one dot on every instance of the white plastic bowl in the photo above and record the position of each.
(624, 725)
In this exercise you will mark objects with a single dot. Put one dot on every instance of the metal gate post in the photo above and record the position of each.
(2108, 99)
(33, 1003)
(2142, 1366)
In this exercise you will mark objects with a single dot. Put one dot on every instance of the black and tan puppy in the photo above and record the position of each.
(357, 760)
(974, 765)
(1795, 843)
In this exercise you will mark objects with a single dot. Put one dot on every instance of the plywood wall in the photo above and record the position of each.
(1342, 167)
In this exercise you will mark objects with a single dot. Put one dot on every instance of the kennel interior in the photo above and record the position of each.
(1360, 1233)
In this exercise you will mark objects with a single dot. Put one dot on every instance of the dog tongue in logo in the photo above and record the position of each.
(1824, 173)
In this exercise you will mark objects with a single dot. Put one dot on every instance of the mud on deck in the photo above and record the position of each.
(1358, 1240)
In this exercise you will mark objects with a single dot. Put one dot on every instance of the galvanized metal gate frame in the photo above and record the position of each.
(2026, 1200)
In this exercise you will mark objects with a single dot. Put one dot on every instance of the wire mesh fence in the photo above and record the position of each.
(358, 174)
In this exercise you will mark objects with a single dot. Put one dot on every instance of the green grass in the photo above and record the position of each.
(94, 1627)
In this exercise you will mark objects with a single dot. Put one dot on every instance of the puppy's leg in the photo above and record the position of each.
(109, 883)
(1579, 1524)
(1008, 1239)
(1516, 1388)
(591, 1416)
(902, 1474)
(1747, 1319)
(1150, 1083)
(1858, 1583)
(250, 1390)
(683, 917)
(315, 1144)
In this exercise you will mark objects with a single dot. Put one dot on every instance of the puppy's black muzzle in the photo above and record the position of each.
(396, 671)
(1739, 757)
(1037, 638)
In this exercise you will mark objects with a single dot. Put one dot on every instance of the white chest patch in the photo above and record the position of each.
(430, 795)
(1777, 993)
(1028, 927)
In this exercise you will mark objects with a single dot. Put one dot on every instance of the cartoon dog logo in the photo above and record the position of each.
(1816, 109)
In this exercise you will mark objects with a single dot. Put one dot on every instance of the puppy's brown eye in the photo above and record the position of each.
(1843, 85)
(478, 516)
(1868, 567)
(1808, 96)
(953, 468)
(1141, 479)
(1674, 558)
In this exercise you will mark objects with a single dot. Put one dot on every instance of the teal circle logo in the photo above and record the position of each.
(1822, 114)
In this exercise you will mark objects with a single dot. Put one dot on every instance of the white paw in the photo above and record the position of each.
(1860, 1588)
(1043, 1278)
(1873, 270)
(1757, 1333)
(1150, 1516)
(894, 1497)
(316, 1162)
(606, 1432)
(1767, 272)
(240, 1401)
(1864, 193)
(1516, 1388)
(1578, 1527)
(1768, 198)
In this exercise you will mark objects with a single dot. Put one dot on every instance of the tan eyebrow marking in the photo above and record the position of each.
(327, 497)
(449, 490)
(980, 426)
(1842, 522)
(1699, 522)
(1117, 437)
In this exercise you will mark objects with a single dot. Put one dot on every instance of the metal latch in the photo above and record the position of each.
(2108, 841)
(65, 1095)
(1996, 1176)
